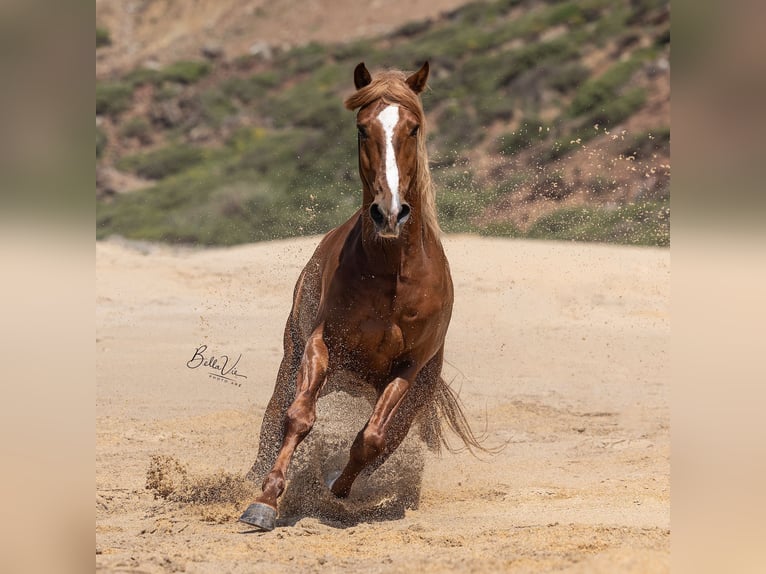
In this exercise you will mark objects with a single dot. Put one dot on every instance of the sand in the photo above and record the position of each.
(560, 352)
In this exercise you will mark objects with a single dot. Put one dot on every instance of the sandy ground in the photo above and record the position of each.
(559, 350)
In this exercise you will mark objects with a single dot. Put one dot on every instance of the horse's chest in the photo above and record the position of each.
(372, 328)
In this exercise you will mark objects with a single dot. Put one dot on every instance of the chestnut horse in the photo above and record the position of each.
(374, 301)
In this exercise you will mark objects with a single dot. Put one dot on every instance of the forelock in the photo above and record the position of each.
(390, 86)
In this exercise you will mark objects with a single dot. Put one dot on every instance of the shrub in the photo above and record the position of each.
(112, 98)
(137, 128)
(535, 54)
(501, 229)
(457, 129)
(646, 223)
(531, 130)
(185, 72)
(265, 152)
(102, 38)
(303, 58)
(141, 76)
(551, 185)
(167, 92)
(496, 106)
(309, 104)
(412, 28)
(663, 37)
(248, 89)
(163, 162)
(643, 145)
(600, 91)
(618, 109)
(214, 106)
(569, 13)
(459, 199)
(563, 145)
(568, 77)
(101, 142)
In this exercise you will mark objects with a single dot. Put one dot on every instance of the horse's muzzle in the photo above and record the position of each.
(388, 224)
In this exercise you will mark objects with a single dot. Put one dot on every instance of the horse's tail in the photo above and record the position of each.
(447, 406)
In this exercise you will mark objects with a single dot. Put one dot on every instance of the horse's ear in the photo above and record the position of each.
(361, 76)
(417, 81)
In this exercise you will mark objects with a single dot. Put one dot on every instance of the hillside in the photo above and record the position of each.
(160, 32)
(547, 119)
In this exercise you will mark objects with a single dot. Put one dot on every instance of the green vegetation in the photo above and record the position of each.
(280, 154)
(460, 199)
(102, 38)
(186, 72)
(213, 106)
(225, 203)
(619, 109)
(251, 88)
(600, 100)
(643, 145)
(183, 72)
(530, 131)
(163, 162)
(645, 223)
(568, 77)
(112, 98)
(101, 142)
(563, 145)
(137, 128)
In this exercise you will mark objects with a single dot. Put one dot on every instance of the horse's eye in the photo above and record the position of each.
(414, 131)
(362, 132)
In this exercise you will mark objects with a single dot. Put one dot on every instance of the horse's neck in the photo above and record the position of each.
(387, 256)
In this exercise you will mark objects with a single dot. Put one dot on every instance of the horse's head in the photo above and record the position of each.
(392, 160)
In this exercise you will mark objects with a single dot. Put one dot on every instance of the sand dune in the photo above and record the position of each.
(559, 350)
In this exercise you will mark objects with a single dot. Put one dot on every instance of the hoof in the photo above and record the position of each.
(260, 515)
(331, 478)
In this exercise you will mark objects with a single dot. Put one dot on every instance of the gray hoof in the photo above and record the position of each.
(330, 479)
(260, 515)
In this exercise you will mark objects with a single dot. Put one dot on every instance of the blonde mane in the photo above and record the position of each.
(390, 87)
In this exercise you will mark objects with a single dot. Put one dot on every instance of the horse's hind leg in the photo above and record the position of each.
(298, 421)
(373, 439)
(388, 425)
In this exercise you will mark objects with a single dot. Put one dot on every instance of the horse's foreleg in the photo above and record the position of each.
(272, 431)
(298, 420)
(272, 428)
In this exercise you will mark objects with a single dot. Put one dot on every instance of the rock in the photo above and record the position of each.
(659, 66)
(110, 182)
(261, 49)
(212, 51)
(200, 133)
(152, 64)
(167, 113)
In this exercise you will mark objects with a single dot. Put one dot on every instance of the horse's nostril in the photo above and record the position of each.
(377, 214)
(404, 213)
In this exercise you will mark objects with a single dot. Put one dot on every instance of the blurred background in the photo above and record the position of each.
(221, 122)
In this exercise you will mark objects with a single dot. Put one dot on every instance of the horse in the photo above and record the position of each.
(374, 302)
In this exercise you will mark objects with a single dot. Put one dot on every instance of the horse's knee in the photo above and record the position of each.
(371, 444)
(375, 441)
(299, 419)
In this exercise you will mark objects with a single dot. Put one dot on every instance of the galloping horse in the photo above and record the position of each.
(374, 301)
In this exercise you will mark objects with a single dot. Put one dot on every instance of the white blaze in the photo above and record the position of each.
(388, 118)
